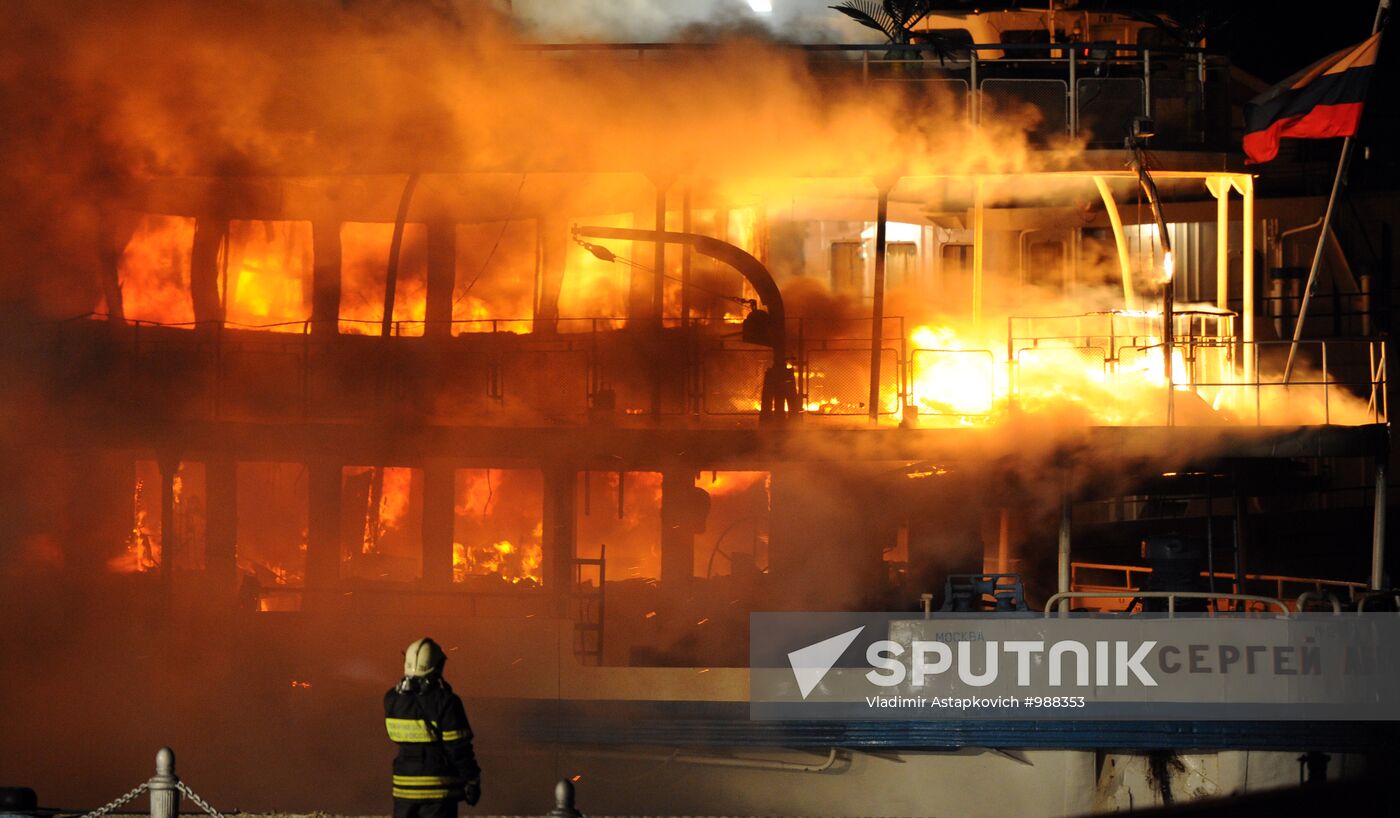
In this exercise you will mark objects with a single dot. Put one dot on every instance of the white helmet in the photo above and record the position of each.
(423, 658)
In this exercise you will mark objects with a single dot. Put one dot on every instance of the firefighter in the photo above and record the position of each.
(435, 767)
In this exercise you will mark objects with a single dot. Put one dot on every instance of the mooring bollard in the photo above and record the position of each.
(563, 801)
(164, 786)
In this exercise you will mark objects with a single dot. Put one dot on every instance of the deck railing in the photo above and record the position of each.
(1100, 360)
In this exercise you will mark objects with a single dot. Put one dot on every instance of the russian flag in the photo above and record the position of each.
(1319, 102)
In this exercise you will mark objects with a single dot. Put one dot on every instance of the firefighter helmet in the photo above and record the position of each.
(423, 658)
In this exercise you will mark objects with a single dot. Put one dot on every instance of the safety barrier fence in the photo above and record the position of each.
(165, 790)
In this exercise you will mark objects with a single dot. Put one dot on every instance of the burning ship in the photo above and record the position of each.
(627, 341)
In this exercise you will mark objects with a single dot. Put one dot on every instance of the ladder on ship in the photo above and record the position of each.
(589, 604)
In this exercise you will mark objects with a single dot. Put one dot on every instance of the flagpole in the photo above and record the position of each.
(1342, 164)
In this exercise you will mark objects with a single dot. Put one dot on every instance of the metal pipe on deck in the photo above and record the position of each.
(877, 309)
(1120, 241)
(391, 276)
(1149, 187)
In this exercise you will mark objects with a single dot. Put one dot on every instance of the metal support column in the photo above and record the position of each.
(678, 527)
(1378, 530)
(169, 464)
(559, 534)
(1219, 187)
(208, 260)
(221, 521)
(1004, 542)
(322, 523)
(658, 296)
(978, 246)
(442, 279)
(554, 253)
(439, 522)
(1062, 561)
(325, 277)
(1244, 183)
(1241, 537)
(687, 254)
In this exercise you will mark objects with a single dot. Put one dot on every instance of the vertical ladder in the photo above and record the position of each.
(589, 607)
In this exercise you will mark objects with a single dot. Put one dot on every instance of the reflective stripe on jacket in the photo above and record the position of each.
(435, 759)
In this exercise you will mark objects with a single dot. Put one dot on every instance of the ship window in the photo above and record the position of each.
(957, 259)
(946, 36)
(1156, 38)
(956, 273)
(901, 264)
(381, 523)
(1045, 263)
(848, 266)
(955, 42)
(1026, 36)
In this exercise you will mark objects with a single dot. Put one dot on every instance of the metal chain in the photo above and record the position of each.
(120, 800)
(197, 801)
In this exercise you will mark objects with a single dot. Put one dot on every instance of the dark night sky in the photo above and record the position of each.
(1274, 39)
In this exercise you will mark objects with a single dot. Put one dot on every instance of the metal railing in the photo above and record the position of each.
(1340, 381)
(1171, 597)
(1285, 587)
(230, 373)
(472, 602)
(1091, 90)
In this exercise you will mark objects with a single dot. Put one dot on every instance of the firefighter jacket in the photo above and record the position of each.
(435, 761)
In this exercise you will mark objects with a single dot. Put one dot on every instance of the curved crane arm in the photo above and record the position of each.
(779, 398)
(749, 267)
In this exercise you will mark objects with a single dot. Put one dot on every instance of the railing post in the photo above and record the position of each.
(563, 801)
(164, 786)
(1073, 93)
(1147, 82)
(1378, 529)
(1326, 394)
(976, 91)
